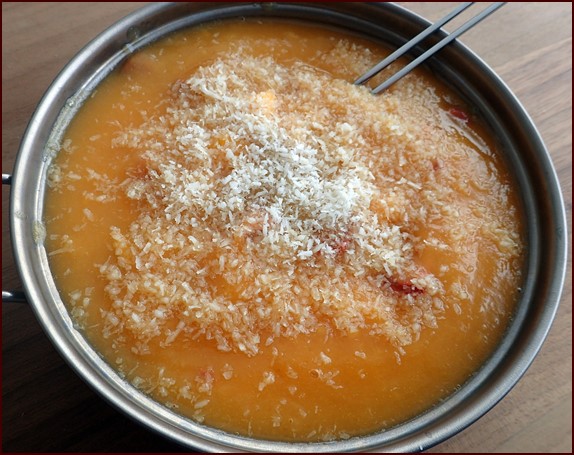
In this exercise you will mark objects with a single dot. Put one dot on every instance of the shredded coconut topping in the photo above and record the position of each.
(259, 215)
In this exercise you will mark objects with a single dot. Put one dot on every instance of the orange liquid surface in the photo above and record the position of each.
(319, 386)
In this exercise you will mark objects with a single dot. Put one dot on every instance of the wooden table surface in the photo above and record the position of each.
(46, 407)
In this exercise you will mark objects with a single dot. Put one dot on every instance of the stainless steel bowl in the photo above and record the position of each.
(525, 154)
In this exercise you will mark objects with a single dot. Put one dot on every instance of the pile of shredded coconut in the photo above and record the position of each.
(264, 210)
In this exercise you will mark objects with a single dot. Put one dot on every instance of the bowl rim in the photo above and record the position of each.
(65, 96)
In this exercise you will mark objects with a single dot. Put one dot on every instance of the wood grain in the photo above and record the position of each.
(47, 408)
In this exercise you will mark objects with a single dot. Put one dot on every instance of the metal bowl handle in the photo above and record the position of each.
(11, 296)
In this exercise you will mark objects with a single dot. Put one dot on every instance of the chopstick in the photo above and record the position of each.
(410, 44)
